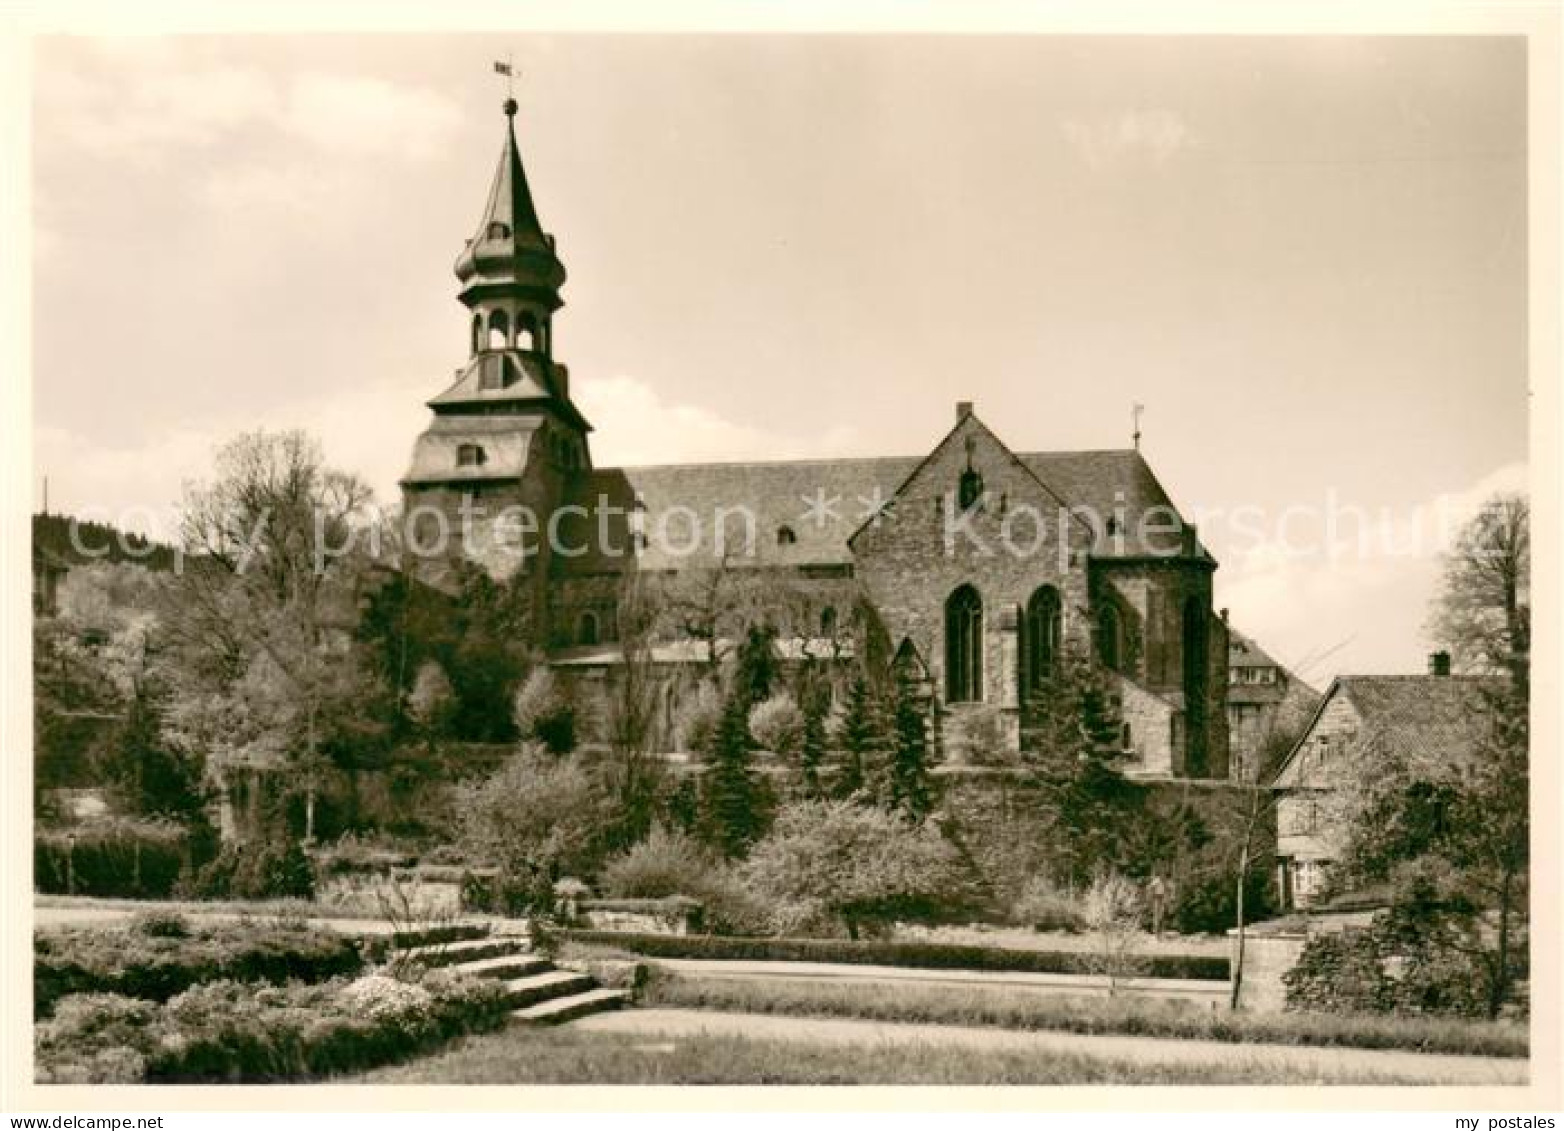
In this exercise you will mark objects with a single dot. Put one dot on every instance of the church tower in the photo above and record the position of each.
(505, 433)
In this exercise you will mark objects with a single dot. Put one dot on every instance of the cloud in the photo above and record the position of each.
(370, 429)
(1341, 588)
(129, 104)
(1147, 135)
(635, 426)
(369, 115)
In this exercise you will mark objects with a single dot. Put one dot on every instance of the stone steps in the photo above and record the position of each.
(536, 988)
(461, 953)
(558, 1010)
(535, 991)
(505, 966)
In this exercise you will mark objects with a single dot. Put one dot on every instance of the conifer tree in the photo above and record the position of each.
(1072, 746)
(911, 784)
(862, 738)
(732, 794)
(757, 665)
(816, 702)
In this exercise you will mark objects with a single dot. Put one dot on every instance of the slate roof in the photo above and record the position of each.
(1415, 716)
(779, 494)
(506, 441)
(509, 245)
(498, 379)
(1428, 719)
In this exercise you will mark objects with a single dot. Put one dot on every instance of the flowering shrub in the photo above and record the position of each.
(379, 996)
(228, 1032)
(777, 724)
(674, 863)
(151, 959)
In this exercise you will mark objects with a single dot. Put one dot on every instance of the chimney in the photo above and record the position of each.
(1224, 616)
(963, 410)
(1439, 663)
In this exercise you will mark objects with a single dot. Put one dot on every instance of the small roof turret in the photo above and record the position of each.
(510, 253)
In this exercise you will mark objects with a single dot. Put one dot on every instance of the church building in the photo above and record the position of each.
(977, 563)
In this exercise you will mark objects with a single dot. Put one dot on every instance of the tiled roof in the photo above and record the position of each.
(1242, 652)
(774, 495)
(822, 502)
(1114, 483)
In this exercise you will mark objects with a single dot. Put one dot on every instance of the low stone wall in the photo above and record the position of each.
(672, 916)
(1271, 949)
(423, 891)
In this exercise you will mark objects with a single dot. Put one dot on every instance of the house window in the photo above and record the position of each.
(587, 628)
(1040, 631)
(470, 455)
(786, 536)
(964, 646)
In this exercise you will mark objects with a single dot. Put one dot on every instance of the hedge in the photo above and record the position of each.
(157, 957)
(128, 858)
(935, 956)
(225, 1032)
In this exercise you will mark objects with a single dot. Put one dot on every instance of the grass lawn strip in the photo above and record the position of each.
(524, 1056)
(924, 955)
(996, 1008)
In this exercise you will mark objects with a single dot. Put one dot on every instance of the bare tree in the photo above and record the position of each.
(265, 604)
(1482, 613)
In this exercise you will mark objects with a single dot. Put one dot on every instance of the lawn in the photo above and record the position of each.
(562, 1056)
(1137, 1016)
(1023, 938)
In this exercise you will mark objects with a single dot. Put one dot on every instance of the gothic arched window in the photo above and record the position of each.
(587, 628)
(1040, 637)
(828, 622)
(964, 646)
(786, 536)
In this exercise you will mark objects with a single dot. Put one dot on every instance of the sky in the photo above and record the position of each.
(1306, 257)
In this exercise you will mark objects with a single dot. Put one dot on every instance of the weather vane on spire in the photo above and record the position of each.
(507, 69)
(1135, 416)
